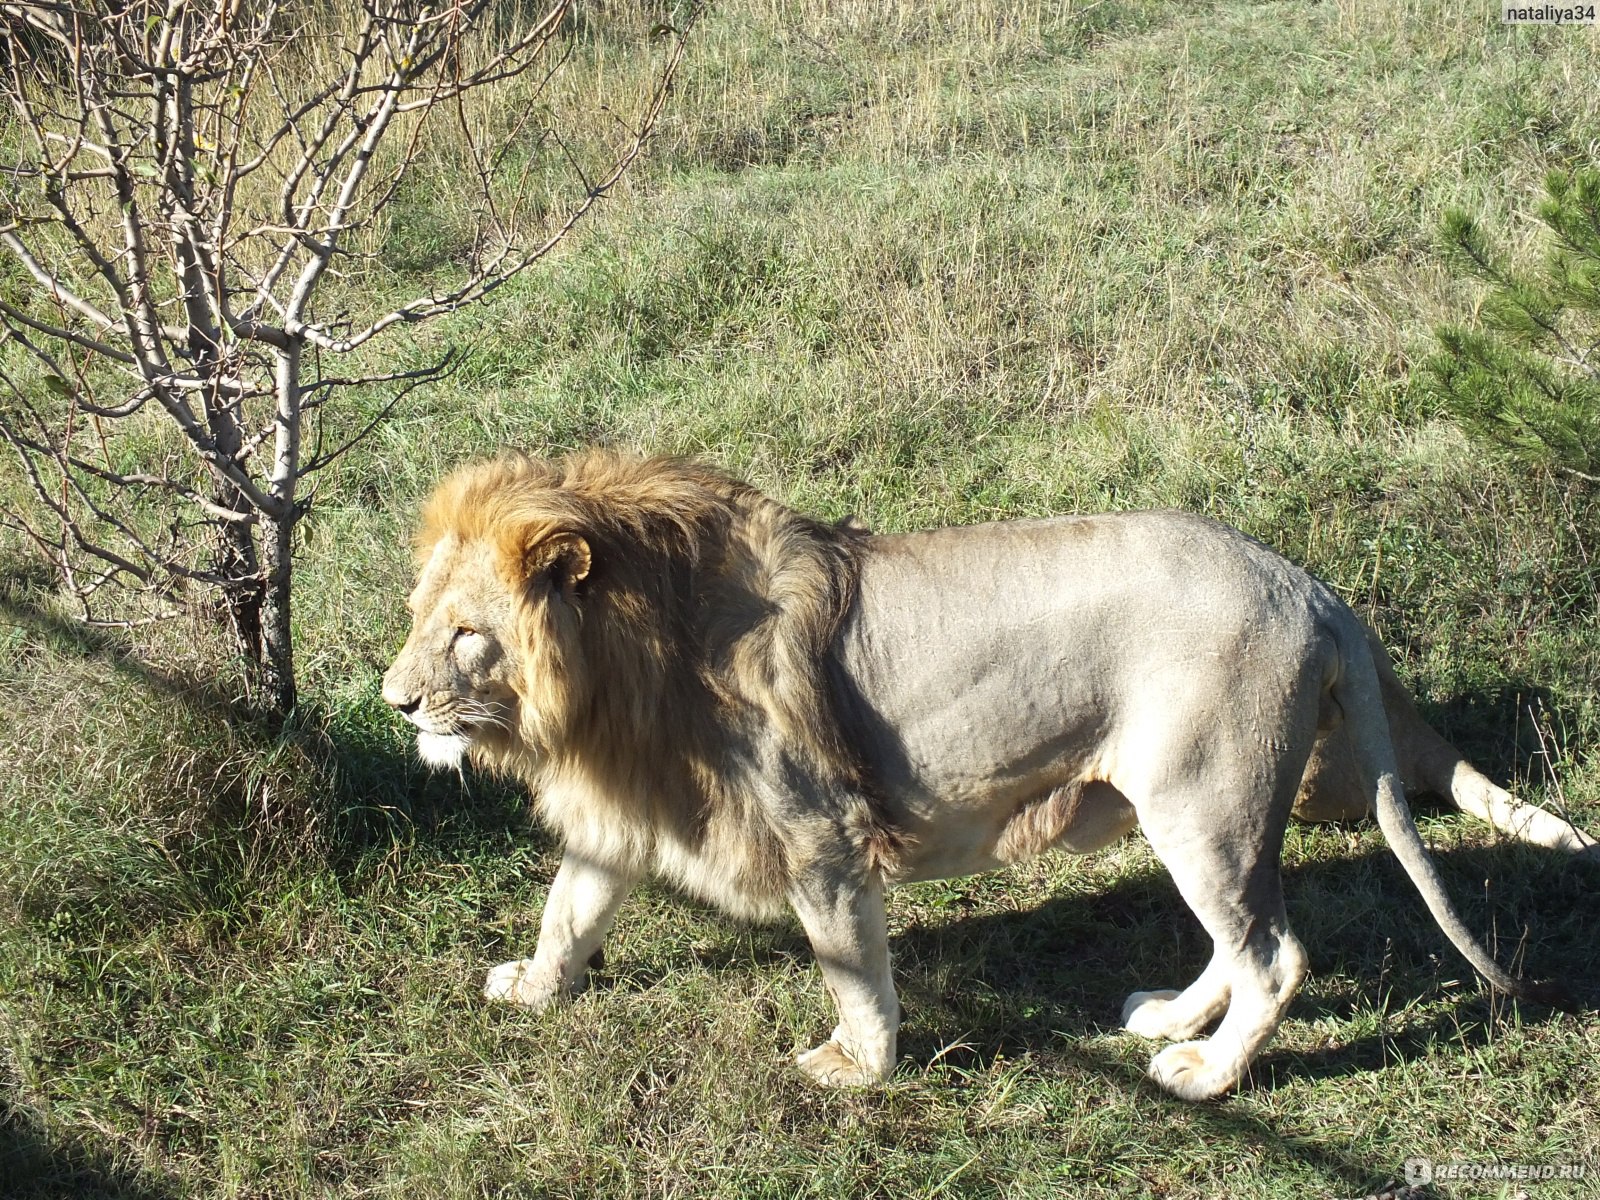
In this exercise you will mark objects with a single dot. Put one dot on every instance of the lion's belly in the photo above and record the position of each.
(964, 840)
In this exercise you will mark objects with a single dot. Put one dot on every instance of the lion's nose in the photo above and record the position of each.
(400, 699)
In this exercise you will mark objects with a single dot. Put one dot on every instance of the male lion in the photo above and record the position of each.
(775, 713)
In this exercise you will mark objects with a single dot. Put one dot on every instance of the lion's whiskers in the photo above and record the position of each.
(466, 711)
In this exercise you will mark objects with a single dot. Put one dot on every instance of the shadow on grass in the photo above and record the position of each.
(1022, 981)
(976, 987)
(1044, 982)
(1506, 731)
(325, 787)
(34, 1167)
(227, 810)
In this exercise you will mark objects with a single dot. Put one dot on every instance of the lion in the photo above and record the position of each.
(779, 714)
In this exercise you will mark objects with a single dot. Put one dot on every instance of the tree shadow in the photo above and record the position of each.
(245, 805)
(34, 1166)
(343, 787)
(25, 590)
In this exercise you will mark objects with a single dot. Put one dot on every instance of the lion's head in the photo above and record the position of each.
(485, 609)
(627, 635)
(537, 581)
(633, 637)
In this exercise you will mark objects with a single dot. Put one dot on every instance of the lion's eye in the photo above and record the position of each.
(464, 631)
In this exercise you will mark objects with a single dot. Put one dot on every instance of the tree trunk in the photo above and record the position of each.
(277, 644)
(236, 561)
(277, 536)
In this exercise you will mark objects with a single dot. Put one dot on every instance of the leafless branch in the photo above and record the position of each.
(183, 183)
(410, 382)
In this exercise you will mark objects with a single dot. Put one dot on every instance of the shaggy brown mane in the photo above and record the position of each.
(653, 682)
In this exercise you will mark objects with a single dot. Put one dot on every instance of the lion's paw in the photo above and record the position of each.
(1148, 1015)
(831, 1065)
(517, 983)
(1186, 1070)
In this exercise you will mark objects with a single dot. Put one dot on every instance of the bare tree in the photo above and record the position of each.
(184, 178)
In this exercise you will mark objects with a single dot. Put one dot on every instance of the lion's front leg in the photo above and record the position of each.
(846, 926)
(583, 900)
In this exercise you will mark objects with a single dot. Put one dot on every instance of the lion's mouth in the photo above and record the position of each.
(443, 738)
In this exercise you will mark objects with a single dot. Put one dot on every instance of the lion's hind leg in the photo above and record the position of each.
(1265, 978)
(1226, 866)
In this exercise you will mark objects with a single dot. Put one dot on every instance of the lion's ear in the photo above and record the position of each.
(564, 557)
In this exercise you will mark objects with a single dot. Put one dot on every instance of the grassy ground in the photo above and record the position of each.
(923, 263)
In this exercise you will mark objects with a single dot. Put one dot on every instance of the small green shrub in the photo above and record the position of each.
(1529, 378)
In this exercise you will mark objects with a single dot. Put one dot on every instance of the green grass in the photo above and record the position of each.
(925, 264)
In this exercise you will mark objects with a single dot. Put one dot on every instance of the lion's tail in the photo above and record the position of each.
(1359, 694)
(1432, 764)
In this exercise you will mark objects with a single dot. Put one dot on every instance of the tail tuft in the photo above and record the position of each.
(1551, 993)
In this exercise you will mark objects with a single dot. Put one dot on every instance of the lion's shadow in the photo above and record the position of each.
(44, 1167)
(1001, 984)
(1046, 983)
(978, 987)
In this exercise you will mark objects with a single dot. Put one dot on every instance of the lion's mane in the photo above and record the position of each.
(690, 664)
